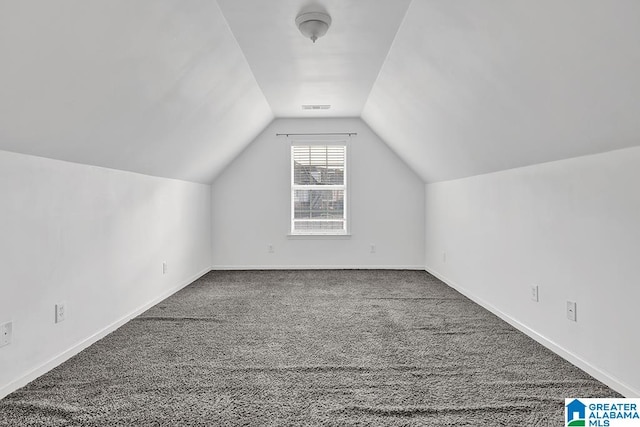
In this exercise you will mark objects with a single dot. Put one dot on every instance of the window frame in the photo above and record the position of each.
(342, 141)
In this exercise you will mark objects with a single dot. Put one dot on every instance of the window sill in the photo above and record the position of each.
(319, 236)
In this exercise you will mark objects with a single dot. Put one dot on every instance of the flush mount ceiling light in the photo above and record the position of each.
(313, 25)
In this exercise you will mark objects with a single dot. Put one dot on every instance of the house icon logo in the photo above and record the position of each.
(576, 413)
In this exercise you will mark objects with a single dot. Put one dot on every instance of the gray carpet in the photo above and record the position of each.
(331, 348)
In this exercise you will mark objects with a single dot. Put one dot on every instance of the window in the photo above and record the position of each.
(318, 189)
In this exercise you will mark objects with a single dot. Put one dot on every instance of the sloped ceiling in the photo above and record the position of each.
(157, 87)
(471, 87)
(177, 88)
(338, 70)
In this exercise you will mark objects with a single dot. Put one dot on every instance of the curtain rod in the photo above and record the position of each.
(314, 134)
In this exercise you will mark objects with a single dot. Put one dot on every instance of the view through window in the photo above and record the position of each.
(318, 189)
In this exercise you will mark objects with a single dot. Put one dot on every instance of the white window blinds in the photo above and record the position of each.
(318, 189)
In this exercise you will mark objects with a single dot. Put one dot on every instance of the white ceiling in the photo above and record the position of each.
(177, 88)
(472, 87)
(338, 70)
(154, 86)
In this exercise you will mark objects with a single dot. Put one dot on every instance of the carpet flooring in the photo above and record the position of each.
(318, 348)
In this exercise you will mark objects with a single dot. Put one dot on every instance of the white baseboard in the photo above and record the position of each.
(595, 372)
(77, 348)
(318, 267)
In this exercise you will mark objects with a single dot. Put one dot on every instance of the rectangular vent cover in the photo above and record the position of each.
(316, 107)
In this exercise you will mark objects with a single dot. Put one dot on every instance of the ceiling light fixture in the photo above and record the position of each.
(313, 25)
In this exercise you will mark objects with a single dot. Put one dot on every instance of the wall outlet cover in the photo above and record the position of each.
(571, 311)
(61, 313)
(6, 333)
(534, 293)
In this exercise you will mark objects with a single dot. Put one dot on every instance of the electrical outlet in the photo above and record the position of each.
(165, 268)
(372, 248)
(61, 313)
(444, 257)
(270, 248)
(6, 333)
(571, 311)
(534, 293)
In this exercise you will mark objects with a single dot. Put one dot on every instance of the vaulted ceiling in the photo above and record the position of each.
(159, 87)
(338, 70)
(177, 88)
(471, 87)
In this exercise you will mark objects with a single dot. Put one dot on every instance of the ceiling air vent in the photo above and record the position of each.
(316, 107)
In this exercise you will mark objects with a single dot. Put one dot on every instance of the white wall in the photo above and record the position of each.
(573, 228)
(251, 206)
(94, 238)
